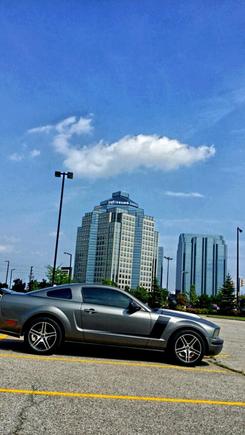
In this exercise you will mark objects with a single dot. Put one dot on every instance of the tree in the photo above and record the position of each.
(227, 296)
(18, 285)
(43, 284)
(140, 293)
(204, 301)
(158, 296)
(33, 285)
(60, 277)
(36, 285)
(109, 282)
(3, 285)
(181, 299)
(193, 296)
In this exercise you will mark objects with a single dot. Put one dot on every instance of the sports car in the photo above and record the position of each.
(107, 316)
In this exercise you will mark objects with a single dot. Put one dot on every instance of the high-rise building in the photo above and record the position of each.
(117, 242)
(201, 261)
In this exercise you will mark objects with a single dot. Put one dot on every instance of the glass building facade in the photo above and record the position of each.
(201, 261)
(118, 242)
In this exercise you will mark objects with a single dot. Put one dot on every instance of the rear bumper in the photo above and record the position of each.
(215, 346)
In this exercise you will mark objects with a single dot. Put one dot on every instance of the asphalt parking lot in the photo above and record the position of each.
(87, 390)
(233, 353)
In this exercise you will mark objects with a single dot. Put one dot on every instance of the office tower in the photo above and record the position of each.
(201, 261)
(117, 242)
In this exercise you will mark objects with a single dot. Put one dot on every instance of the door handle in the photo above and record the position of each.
(90, 310)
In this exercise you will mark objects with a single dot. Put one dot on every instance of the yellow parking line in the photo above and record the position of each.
(121, 397)
(110, 362)
(222, 356)
(3, 336)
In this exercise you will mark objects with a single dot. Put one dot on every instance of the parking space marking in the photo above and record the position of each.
(121, 397)
(222, 356)
(111, 362)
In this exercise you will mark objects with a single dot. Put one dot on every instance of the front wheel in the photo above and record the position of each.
(187, 347)
(43, 335)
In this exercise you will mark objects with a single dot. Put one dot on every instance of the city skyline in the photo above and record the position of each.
(139, 98)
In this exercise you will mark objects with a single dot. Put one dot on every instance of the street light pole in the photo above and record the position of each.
(168, 260)
(59, 174)
(70, 255)
(238, 231)
(11, 274)
(7, 272)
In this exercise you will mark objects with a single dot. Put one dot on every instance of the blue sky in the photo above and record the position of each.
(147, 97)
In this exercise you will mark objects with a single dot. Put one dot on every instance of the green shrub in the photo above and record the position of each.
(180, 308)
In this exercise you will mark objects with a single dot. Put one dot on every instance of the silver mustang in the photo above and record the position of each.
(104, 315)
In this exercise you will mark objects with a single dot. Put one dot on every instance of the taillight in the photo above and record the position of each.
(11, 322)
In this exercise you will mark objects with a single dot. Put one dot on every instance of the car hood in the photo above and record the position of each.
(175, 313)
(184, 315)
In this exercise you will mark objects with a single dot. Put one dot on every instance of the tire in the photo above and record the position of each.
(187, 347)
(43, 336)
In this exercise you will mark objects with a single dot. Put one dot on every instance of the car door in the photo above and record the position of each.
(107, 319)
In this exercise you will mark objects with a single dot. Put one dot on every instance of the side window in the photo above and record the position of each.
(105, 296)
(61, 293)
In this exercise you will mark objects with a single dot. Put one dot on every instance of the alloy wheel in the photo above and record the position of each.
(188, 348)
(42, 336)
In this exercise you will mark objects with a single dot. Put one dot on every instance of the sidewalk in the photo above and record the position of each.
(233, 353)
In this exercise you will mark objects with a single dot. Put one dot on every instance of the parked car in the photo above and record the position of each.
(104, 315)
(215, 307)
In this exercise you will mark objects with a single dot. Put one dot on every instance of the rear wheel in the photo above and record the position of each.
(43, 335)
(187, 347)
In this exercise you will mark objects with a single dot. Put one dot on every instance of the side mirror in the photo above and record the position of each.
(133, 307)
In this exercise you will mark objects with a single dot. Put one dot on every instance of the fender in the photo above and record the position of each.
(45, 310)
(185, 324)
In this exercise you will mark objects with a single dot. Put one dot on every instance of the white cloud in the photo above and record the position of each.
(5, 248)
(44, 129)
(35, 153)
(67, 127)
(195, 225)
(16, 157)
(184, 194)
(125, 155)
(8, 244)
(131, 153)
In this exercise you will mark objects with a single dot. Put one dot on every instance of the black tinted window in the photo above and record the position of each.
(61, 293)
(105, 296)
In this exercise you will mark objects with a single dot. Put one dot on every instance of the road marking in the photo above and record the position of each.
(3, 336)
(109, 362)
(121, 397)
(222, 356)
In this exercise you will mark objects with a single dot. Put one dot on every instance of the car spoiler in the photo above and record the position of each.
(6, 291)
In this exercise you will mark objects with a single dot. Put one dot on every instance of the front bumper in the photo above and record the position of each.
(215, 346)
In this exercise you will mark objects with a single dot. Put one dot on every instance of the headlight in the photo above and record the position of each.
(216, 332)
